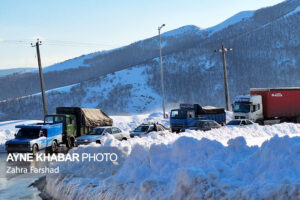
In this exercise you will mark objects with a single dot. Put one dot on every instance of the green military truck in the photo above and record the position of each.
(77, 121)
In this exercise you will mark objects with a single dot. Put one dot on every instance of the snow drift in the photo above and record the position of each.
(255, 162)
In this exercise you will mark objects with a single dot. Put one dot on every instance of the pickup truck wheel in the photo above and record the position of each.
(53, 147)
(34, 150)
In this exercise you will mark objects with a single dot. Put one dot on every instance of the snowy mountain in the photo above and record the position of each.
(5, 72)
(127, 80)
(231, 21)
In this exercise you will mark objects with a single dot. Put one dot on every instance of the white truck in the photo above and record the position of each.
(268, 105)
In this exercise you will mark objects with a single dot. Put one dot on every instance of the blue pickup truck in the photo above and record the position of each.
(35, 137)
(187, 114)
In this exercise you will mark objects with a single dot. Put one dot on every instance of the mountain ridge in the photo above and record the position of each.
(265, 55)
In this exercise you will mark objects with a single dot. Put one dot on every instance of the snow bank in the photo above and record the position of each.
(7, 130)
(194, 165)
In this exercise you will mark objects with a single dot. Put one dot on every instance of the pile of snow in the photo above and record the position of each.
(8, 130)
(221, 163)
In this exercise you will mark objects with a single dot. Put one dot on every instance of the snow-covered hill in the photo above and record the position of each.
(5, 72)
(231, 21)
(266, 43)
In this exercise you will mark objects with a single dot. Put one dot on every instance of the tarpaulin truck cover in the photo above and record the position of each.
(90, 117)
(96, 117)
(279, 102)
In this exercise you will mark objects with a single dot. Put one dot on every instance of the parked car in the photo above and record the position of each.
(239, 122)
(97, 133)
(144, 129)
(203, 125)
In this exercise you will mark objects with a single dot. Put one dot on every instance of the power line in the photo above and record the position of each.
(58, 43)
(76, 43)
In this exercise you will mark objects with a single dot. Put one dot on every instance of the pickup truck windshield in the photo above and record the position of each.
(28, 133)
(98, 131)
(178, 114)
(243, 108)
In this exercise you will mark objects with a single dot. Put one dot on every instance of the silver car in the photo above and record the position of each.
(239, 122)
(98, 132)
(144, 129)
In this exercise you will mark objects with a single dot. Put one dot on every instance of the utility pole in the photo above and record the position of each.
(37, 46)
(223, 50)
(162, 73)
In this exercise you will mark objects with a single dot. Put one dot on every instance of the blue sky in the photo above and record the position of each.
(106, 24)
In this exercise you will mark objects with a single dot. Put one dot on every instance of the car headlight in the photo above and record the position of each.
(85, 140)
(75, 140)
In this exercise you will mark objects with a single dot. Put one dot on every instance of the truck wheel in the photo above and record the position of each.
(260, 122)
(34, 150)
(53, 147)
(72, 142)
(68, 143)
(124, 138)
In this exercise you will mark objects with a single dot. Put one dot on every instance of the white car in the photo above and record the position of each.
(144, 129)
(98, 132)
(239, 123)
